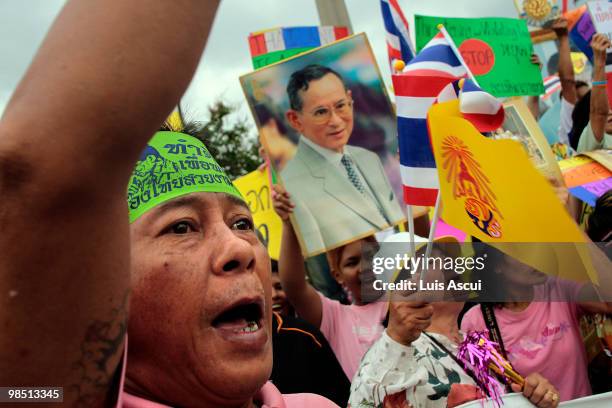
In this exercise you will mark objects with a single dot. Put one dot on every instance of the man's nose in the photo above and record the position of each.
(335, 119)
(232, 254)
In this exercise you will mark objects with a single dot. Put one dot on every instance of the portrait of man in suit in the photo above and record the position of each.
(340, 191)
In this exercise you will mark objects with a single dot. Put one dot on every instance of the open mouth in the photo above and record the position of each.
(277, 306)
(243, 318)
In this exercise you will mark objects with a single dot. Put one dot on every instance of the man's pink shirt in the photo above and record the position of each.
(269, 396)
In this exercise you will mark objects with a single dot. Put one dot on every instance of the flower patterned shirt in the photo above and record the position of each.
(421, 375)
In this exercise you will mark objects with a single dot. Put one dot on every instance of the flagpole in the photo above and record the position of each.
(457, 53)
(432, 228)
(411, 229)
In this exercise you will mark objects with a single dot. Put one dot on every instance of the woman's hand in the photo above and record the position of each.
(539, 391)
(282, 202)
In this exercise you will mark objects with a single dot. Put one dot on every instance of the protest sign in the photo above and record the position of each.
(497, 50)
(277, 44)
(585, 177)
(601, 14)
(581, 34)
(255, 189)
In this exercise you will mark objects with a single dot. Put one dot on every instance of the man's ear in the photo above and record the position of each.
(294, 120)
(349, 94)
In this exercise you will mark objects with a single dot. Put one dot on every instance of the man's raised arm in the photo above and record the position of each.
(103, 81)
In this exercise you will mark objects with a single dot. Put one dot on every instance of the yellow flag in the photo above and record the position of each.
(255, 189)
(491, 190)
(175, 121)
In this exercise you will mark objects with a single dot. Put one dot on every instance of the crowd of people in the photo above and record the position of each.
(173, 300)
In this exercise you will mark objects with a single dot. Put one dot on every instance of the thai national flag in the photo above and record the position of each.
(552, 84)
(416, 88)
(399, 45)
(480, 108)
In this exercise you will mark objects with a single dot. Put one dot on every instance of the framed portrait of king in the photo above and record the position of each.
(328, 127)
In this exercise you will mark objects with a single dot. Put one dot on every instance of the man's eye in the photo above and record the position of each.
(320, 112)
(340, 105)
(243, 224)
(181, 227)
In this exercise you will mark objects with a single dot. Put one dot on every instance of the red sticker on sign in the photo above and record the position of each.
(478, 55)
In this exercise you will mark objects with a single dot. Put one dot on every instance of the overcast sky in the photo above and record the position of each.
(23, 24)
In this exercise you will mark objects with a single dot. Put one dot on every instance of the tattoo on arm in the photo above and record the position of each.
(103, 339)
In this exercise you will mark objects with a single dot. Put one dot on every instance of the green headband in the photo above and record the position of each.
(174, 164)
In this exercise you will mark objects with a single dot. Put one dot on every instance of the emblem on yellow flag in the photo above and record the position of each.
(469, 182)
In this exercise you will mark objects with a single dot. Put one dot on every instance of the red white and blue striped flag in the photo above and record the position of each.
(480, 108)
(552, 84)
(416, 88)
(399, 45)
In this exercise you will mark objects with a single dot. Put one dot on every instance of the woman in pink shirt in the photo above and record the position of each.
(539, 327)
(349, 329)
